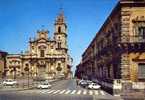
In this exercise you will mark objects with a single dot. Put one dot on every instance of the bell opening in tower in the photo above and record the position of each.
(59, 29)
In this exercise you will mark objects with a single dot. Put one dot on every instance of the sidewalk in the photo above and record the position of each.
(133, 95)
(11, 88)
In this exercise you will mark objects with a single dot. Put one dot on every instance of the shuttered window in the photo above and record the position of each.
(141, 71)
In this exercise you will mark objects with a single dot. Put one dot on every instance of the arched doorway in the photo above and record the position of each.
(41, 70)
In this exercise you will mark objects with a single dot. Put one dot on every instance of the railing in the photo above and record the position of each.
(133, 39)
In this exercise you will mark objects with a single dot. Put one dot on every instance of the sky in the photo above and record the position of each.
(20, 19)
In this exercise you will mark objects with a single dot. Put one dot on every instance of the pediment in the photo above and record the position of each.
(42, 40)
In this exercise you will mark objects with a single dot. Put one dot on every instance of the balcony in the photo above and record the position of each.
(132, 39)
(132, 43)
(136, 39)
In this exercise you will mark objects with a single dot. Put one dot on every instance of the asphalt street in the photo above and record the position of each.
(62, 90)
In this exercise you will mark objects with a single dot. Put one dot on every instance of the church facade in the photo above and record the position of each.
(46, 57)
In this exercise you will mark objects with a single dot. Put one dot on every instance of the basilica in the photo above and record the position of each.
(46, 57)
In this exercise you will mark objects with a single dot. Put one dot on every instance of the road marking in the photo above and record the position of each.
(47, 91)
(73, 92)
(68, 91)
(62, 92)
(51, 91)
(43, 91)
(96, 92)
(56, 91)
(85, 92)
(90, 92)
(79, 92)
(102, 92)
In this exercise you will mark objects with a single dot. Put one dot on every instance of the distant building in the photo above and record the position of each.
(3, 55)
(116, 55)
(46, 57)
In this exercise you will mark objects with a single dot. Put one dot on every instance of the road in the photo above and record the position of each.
(62, 90)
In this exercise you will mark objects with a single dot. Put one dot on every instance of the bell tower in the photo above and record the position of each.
(60, 34)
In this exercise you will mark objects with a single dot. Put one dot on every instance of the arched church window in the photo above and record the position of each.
(59, 29)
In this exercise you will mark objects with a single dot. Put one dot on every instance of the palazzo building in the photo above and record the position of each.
(46, 57)
(3, 55)
(116, 56)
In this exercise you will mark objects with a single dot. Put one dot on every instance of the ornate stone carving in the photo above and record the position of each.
(139, 19)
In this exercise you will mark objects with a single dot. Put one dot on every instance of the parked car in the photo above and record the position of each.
(44, 85)
(94, 86)
(89, 82)
(49, 77)
(79, 81)
(83, 84)
(9, 82)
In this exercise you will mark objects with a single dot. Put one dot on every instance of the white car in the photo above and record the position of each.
(9, 82)
(49, 77)
(44, 85)
(94, 86)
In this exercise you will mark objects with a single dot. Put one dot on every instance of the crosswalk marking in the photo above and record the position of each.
(102, 93)
(85, 92)
(68, 91)
(56, 91)
(96, 92)
(73, 92)
(43, 91)
(62, 92)
(51, 91)
(79, 92)
(90, 92)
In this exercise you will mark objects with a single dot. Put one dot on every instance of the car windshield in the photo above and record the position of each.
(45, 83)
(94, 84)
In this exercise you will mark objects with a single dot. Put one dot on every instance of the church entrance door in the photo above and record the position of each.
(41, 70)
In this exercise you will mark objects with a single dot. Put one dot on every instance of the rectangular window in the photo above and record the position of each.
(59, 45)
(141, 31)
(141, 71)
(42, 53)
